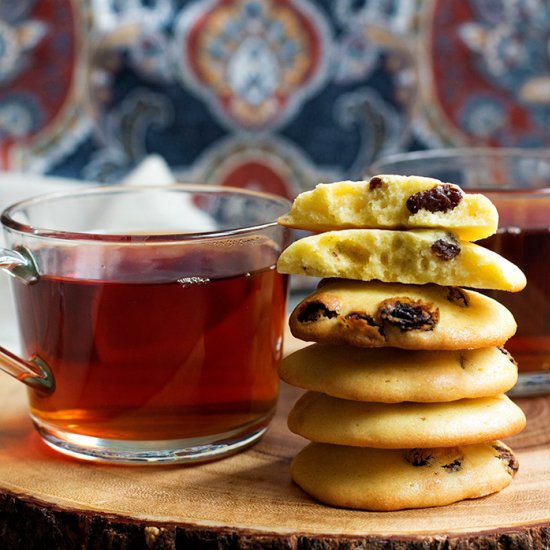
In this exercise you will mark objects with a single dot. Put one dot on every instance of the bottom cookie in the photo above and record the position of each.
(385, 480)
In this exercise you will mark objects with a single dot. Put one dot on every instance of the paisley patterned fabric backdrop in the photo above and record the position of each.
(275, 95)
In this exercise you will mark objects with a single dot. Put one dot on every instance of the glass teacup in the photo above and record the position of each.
(151, 318)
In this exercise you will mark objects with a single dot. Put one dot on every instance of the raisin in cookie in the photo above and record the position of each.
(319, 417)
(422, 317)
(384, 480)
(416, 257)
(393, 202)
(390, 375)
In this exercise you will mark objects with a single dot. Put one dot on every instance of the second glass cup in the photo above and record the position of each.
(152, 318)
(518, 182)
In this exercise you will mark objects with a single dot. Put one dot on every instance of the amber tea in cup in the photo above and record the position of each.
(153, 317)
(517, 181)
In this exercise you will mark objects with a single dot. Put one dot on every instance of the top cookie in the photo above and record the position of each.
(393, 202)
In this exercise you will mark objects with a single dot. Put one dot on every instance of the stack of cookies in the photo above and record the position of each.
(405, 403)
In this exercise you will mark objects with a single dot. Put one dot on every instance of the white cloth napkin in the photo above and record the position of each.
(175, 215)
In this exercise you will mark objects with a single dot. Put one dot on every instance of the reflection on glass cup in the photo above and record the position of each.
(518, 182)
(152, 318)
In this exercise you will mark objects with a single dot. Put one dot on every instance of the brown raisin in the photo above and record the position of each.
(441, 198)
(457, 296)
(445, 250)
(508, 457)
(418, 457)
(407, 314)
(375, 182)
(454, 466)
(315, 311)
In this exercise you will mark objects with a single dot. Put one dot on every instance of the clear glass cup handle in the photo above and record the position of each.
(19, 263)
(35, 373)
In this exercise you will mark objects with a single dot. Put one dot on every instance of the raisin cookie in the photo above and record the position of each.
(393, 202)
(390, 375)
(415, 257)
(325, 419)
(384, 480)
(422, 317)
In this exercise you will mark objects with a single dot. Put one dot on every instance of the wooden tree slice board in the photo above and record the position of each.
(247, 500)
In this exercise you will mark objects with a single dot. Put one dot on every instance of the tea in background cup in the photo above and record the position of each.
(517, 181)
(152, 318)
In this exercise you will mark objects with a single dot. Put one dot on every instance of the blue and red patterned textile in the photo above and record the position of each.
(275, 95)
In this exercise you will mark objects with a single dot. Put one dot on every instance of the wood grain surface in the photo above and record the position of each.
(244, 501)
